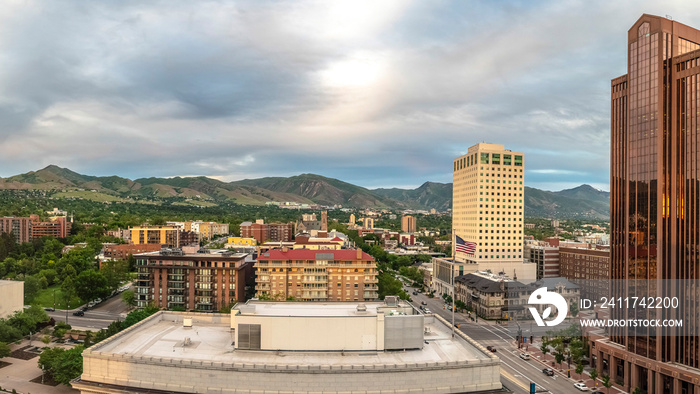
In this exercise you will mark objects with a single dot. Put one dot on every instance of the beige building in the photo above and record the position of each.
(487, 209)
(268, 347)
(408, 224)
(164, 235)
(12, 296)
(311, 275)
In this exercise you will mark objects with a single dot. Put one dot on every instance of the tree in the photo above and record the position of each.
(544, 348)
(579, 369)
(573, 309)
(129, 298)
(32, 285)
(4, 350)
(594, 376)
(606, 382)
(63, 365)
(91, 285)
(68, 288)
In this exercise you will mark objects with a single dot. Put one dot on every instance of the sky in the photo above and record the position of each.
(375, 93)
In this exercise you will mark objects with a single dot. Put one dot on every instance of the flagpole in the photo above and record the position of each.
(454, 260)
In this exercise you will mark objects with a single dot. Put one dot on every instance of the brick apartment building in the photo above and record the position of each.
(121, 252)
(263, 232)
(587, 267)
(169, 236)
(172, 278)
(58, 227)
(311, 275)
(20, 227)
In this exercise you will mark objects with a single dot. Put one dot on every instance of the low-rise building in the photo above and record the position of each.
(161, 235)
(122, 252)
(290, 347)
(310, 275)
(57, 227)
(11, 297)
(492, 296)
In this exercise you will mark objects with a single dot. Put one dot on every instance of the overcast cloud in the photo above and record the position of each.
(376, 93)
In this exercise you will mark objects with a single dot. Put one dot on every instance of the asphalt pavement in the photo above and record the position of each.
(96, 318)
(516, 373)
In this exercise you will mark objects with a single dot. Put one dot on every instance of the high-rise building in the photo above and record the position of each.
(311, 275)
(654, 200)
(487, 209)
(408, 224)
(546, 258)
(588, 267)
(57, 227)
(352, 219)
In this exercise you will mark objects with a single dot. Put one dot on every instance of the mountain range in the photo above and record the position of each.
(580, 202)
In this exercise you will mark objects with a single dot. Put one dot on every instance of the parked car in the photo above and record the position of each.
(548, 371)
(525, 356)
(415, 292)
(581, 386)
(426, 310)
(491, 349)
(50, 309)
(423, 303)
(78, 313)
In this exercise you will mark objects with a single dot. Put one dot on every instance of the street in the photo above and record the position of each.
(516, 373)
(97, 317)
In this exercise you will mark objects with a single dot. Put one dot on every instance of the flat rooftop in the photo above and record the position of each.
(162, 337)
(330, 309)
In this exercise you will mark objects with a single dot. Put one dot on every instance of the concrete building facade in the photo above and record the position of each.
(487, 208)
(545, 257)
(12, 296)
(408, 224)
(180, 352)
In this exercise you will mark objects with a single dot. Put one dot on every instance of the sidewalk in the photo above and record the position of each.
(17, 376)
(549, 359)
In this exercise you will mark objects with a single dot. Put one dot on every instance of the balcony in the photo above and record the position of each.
(262, 287)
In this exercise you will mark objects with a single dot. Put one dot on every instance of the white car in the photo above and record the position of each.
(525, 356)
(581, 386)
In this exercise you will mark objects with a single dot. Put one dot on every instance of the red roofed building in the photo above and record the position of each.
(316, 275)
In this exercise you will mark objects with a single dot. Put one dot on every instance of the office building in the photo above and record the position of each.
(311, 275)
(654, 201)
(263, 232)
(545, 257)
(20, 227)
(172, 278)
(291, 347)
(487, 209)
(12, 296)
(408, 224)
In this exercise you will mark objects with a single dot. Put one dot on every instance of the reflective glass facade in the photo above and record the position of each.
(655, 196)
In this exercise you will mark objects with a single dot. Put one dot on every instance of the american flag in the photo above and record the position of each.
(464, 246)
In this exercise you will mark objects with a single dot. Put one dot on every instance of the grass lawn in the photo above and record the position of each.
(45, 298)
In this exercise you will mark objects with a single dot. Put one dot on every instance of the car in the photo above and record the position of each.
(84, 308)
(525, 356)
(415, 292)
(548, 371)
(581, 387)
(50, 309)
(492, 349)
(423, 303)
(78, 313)
(426, 310)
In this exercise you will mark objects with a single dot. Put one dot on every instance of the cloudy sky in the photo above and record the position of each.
(376, 93)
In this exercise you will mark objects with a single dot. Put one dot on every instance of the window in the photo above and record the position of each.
(496, 158)
(519, 161)
(484, 158)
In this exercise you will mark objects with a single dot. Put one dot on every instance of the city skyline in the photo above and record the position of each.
(236, 90)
